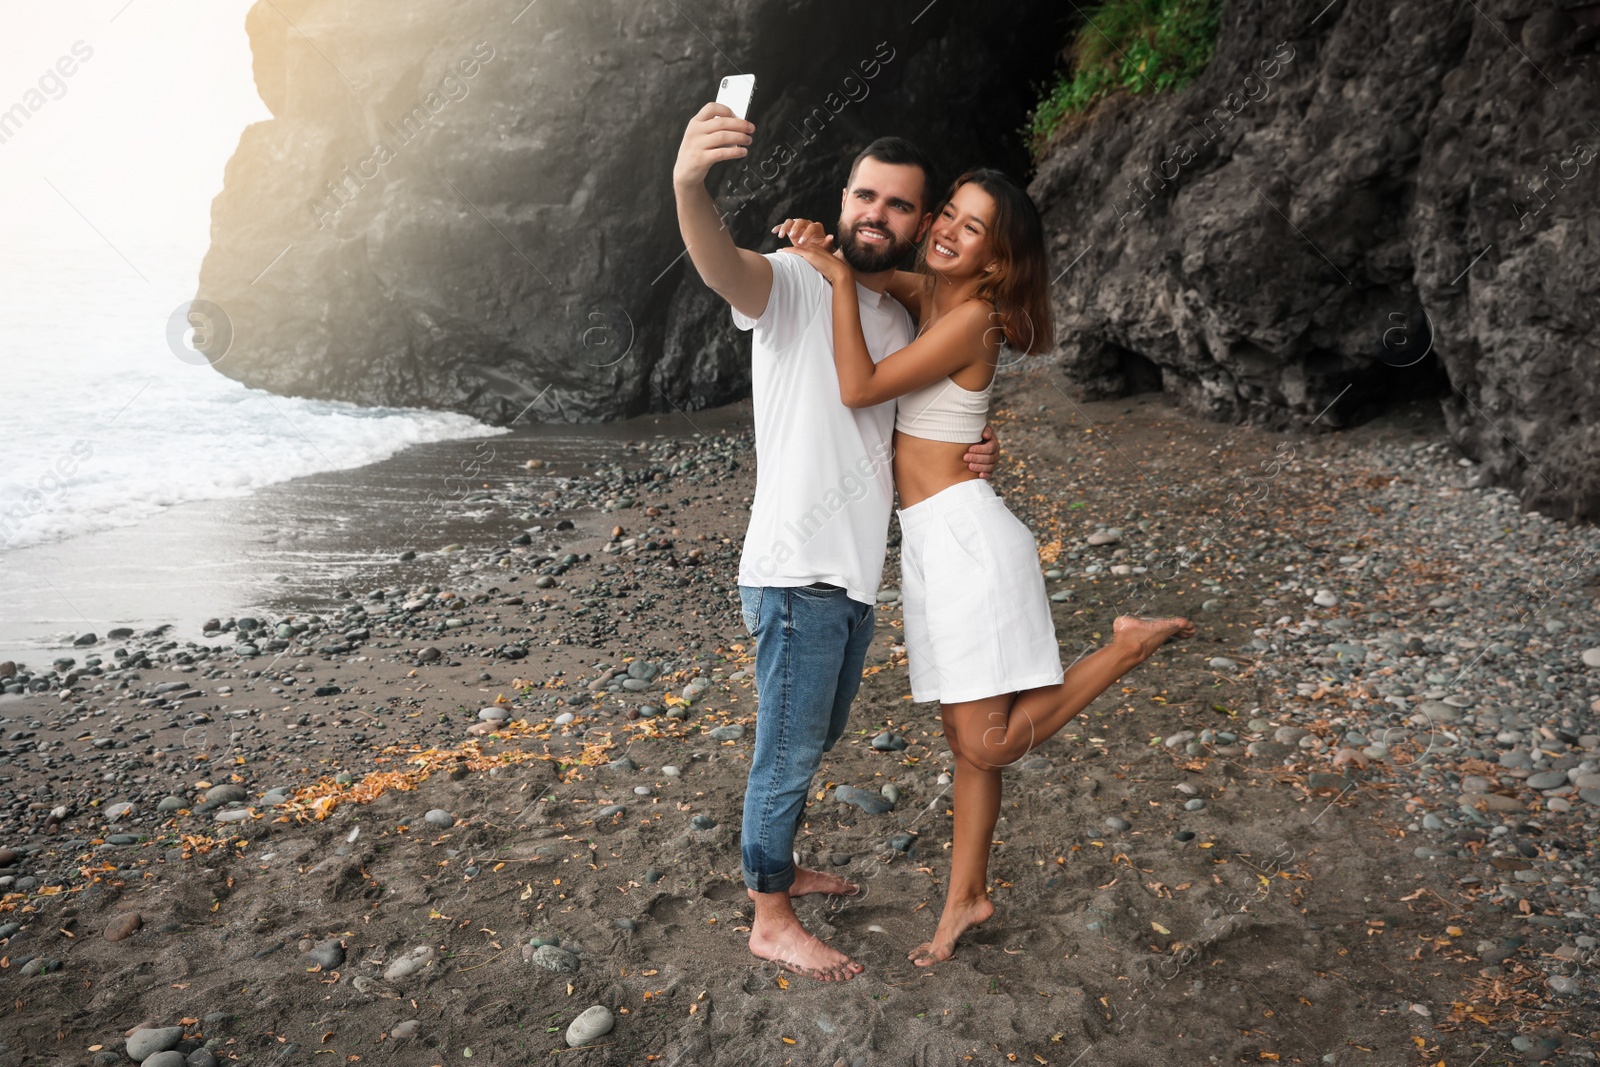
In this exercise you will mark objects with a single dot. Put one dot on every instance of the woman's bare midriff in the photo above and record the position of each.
(923, 467)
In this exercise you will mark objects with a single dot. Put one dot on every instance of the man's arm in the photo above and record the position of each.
(741, 277)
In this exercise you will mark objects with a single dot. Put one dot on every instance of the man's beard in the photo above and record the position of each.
(872, 259)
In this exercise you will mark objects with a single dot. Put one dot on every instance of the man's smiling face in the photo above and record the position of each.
(882, 215)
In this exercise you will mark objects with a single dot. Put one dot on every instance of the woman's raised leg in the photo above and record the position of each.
(986, 736)
(1037, 714)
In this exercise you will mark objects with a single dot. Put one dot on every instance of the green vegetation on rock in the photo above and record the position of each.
(1140, 46)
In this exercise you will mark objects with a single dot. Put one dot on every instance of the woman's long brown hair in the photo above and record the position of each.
(1019, 286)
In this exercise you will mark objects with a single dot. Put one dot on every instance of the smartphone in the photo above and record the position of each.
(736, 91)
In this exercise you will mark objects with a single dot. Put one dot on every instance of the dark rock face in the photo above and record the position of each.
(469, 206)
(1388, 202)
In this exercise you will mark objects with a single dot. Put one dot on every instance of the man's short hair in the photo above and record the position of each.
(900, 152)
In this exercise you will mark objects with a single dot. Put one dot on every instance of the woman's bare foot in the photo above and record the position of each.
(955, 921)
(807, 881)
(1149, 634)
(785, 942)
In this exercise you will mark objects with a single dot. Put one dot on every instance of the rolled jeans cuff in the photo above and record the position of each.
(771, 883)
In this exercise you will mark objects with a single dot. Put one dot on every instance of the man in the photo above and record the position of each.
(814, 549)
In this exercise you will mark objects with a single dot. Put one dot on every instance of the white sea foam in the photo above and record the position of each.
(104, 426)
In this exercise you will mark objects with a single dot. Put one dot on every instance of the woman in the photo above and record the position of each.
(977, 622)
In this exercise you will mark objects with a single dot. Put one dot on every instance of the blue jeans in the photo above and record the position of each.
(810, 646)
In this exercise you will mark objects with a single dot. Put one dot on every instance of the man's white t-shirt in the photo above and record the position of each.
(824, 481)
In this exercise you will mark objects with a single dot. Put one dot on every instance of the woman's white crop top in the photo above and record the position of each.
(944, 411)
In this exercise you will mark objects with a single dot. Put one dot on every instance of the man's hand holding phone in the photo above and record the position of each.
(714, 134)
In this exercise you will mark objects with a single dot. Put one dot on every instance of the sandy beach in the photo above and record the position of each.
(498, 784)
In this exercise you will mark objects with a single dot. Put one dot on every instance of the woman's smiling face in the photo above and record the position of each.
(958, 242)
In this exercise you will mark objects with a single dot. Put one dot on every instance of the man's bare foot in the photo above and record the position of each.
(807, 881)
(785, 942)
(955, 921)
(1149, 634)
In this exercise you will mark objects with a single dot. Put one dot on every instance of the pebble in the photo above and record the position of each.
(702, 822)
(871, 803)
(554, 958)
(1325, 598)
(1221, 663)
(327, 955)
(407, 1028)
(564, 718)
(170, 1058)
(731, 732)
(1117, 823)
(406, 966)
(594, 1022)
(1104, 537)
(146, 1042)
(1591, 657)
(123, 926)
(888, 742)
(440, 818)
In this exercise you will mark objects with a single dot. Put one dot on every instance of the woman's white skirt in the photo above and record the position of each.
(976, 615)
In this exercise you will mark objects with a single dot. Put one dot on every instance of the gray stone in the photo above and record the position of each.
(554, 958)
(888, 742)
(406, 966)
(142, 1044)
(871, 803)
(327, 955)
(731, 732)
(592, 1023)
(169, 1058)
(1438, 711)
(1118, 823)
(440, 818)
(1562, 985)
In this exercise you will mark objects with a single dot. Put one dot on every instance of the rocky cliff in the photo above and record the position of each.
(1354, 203)
(469, 205)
